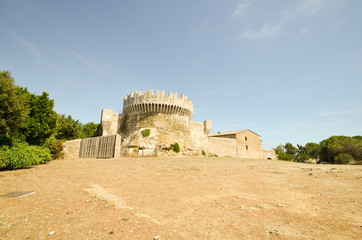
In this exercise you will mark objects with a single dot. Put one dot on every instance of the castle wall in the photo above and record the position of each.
(169, 120)
(109, 121)
(71, 148)
(168, 128)
(269, 154)
(198, 138)
(133, 121)
(222, 146)
(143, 102)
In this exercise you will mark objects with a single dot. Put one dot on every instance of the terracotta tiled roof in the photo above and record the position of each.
(229, 133)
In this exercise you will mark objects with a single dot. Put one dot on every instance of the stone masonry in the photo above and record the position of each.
(167, 120)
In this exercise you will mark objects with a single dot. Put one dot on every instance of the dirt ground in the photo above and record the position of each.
(182, 198)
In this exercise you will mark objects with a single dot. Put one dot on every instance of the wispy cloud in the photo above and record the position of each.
(266, 32)
(92, 66)
(241, 8)
(280, 21)
(25, 44)
(204, 27)
(308, 8)
(341, 112)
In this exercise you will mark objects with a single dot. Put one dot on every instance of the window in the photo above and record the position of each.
(246, 139)
(246, 147)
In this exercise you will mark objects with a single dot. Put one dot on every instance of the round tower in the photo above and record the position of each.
(146, 102)
(167, 118)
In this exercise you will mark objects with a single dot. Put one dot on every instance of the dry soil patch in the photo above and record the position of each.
(181, 198)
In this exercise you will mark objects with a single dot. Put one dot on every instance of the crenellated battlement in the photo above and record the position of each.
(146, 101)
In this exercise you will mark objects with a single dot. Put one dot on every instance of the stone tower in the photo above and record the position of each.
(148, 110)
(167, 118)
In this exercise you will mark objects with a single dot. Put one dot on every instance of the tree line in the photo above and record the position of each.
(29, 126)
(334, 150)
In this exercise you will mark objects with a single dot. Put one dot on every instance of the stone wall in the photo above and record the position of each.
(117, 149)
(148, 102)
(269, 154)
(71, 148)
(198, 138)
(169, 120)
(243, 144)
(166, 130)
(222, 146)
(110, 122)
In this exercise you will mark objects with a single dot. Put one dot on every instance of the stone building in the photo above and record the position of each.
(151, 124)
(241, 143)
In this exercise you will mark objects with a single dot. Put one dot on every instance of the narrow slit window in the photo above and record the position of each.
(246, 147)
(246, 139)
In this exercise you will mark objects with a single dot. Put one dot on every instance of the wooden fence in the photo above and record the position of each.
(98, 147)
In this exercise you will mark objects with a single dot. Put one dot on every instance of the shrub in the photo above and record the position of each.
(21, 155)
(203, 153)
(146, 132)
(3, 154)
(42, 154)
(56, 147)
(284, 156)
(176, 148)
(302, 157)
(343, 158)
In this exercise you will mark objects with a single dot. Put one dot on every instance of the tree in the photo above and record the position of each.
(343, 158)
(13, 111)
(88, 130)
(42, 120)
(336, 145)
(284, 152)
(302, 154)
(68, 128)
(279, 149)
(290, 149)
(313, 150)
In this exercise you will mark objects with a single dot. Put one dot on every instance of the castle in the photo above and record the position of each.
(151, 124)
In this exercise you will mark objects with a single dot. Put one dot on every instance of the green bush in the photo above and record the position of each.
(56, 147)
(42, 154)
(343, 158)
(176, 148)
(146, 132)
(3, 152)
(203, 153)
(302, 157)
(21, 155)
(285, 156)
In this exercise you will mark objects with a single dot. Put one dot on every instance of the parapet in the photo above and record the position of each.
(146, 101)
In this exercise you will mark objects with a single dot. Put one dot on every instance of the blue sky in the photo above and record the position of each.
(287, 70)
